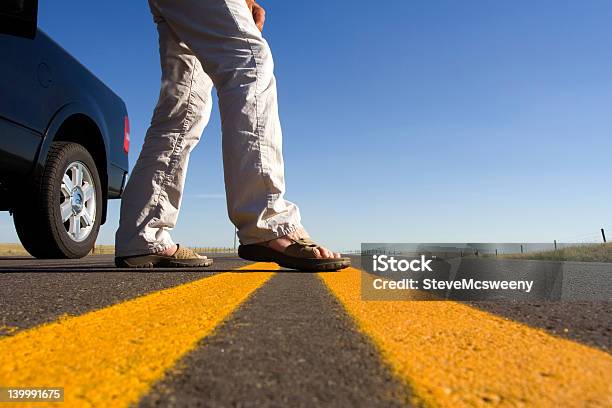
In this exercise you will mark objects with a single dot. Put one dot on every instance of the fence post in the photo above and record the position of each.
(603, 235)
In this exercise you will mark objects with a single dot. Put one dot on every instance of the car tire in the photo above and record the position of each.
(59, 215)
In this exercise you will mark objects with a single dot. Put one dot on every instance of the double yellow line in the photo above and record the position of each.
(453, 355)
(450, 354)
(112, 356)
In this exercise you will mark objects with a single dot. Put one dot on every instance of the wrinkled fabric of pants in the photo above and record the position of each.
(206, 43)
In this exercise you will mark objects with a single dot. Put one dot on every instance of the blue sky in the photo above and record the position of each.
(404, 121)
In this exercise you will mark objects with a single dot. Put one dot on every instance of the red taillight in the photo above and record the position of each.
(126, 134)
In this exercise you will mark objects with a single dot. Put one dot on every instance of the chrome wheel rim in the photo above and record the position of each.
(78, 201)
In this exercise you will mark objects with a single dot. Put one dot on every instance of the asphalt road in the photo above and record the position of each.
(287, 339)
(38, 291)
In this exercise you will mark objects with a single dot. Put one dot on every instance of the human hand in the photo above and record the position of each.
(258, 12)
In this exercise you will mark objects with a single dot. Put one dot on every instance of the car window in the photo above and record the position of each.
(16, 8)
(19, 17)
(12, 6)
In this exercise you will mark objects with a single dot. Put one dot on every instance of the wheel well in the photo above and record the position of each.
(83, 130)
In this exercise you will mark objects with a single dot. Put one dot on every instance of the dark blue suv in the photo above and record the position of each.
(64, 140)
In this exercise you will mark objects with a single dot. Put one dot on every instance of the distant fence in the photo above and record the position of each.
(577, 240)
(13, 249)
(591, 238)
(110, 249)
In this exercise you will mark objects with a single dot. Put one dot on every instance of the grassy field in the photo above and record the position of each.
(581, 253)
(12, 250)
(18, 250)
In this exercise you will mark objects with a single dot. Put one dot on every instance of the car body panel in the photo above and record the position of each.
(16, 158)
(41, 87)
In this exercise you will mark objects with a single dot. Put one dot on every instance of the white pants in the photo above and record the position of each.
(204, 43)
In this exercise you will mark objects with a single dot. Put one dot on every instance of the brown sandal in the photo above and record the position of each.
(182, 258)
(299, 255)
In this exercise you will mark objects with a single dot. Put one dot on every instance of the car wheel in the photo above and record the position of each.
(60, 215)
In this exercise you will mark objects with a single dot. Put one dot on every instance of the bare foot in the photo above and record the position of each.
(172, 250)
(280, 244)
(169, 251)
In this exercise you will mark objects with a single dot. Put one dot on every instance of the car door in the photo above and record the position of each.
(22, 81)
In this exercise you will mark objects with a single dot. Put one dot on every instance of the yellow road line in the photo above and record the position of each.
(453, 355)
(112, 356)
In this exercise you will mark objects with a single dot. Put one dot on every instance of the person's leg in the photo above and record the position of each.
(152, 197)
(238, 59)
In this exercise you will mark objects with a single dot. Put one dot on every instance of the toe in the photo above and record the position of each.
(326, 253)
